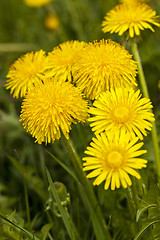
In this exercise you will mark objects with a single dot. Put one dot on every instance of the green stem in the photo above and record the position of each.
(131, 195)
(140, 69)
(86, 184)
(27, 205)
(146, 94)
(49, 235)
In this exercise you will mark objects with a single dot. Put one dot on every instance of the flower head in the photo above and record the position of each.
(50, 107)
(112, 158)
(37, 3)
(51, 22)
(133, 16)
(122, 109)
(63, 58)
(26, 71)
(131, 1)
(104, 65)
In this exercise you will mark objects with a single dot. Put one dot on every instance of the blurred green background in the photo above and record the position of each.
(22, 162)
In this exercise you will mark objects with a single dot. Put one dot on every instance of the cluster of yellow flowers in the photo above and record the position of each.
(55, 88)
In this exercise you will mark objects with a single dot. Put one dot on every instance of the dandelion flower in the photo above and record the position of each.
(63, 58)
(103, 65)
(122, 109)
(26, 71)
(51, 22)
(50, 107)
(112, 158)
(133, 16)
(131, 1)
(37, 3)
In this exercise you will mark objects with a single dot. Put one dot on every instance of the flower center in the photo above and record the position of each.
(114, 160)
(121, 114)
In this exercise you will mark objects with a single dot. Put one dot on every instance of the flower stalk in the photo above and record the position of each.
(146, 94)
(86, 185)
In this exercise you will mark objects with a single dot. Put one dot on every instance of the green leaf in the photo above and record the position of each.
(145, 227)
(45, 230)
(154, 214)
(30, 235)
(156, 231)
(149, 200)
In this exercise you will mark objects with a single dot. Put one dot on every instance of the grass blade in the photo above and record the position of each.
(60, 207)
(30, 235)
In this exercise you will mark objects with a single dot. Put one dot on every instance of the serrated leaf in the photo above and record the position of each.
(149, 200)
(156, 231)
(154, 213)
(30, 235)
(147, 224)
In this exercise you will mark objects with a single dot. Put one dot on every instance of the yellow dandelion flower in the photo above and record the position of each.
(112, 158)
(37, 3)
(122, 110)
(130, 1)
(51, 22)
(103, 65)
(50, 107)
(63, 58)
(26, 71)
(133, 16)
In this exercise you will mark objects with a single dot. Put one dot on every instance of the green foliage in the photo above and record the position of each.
(96, 226)
(28, 174)
(149, 213)
(12, 228)
(45, 231)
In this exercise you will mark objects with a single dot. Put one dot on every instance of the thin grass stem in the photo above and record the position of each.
(27, 205)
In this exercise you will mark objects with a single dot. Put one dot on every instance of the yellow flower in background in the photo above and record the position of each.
(130, 1)
(63, 58)
(51, 22)
(132, 16)
(26, 71)
(112, 158)
(50, 107)
(37, 3)
(122, 109)
(104, 65)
